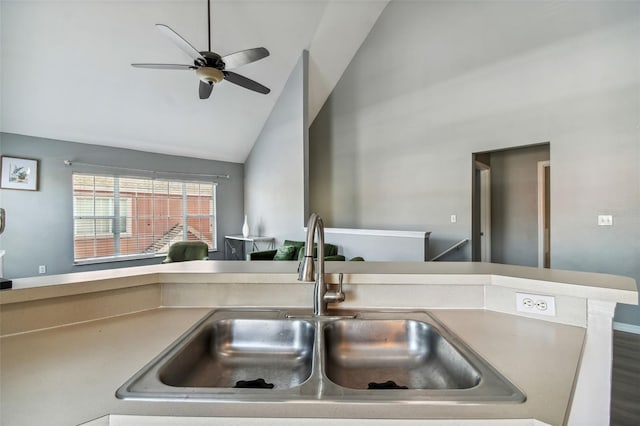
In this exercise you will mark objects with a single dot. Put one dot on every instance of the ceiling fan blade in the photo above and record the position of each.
(165, 66)
(245, 82)
(182, 44)
(205, 90)
(243, 57)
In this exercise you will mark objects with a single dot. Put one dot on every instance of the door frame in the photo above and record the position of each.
(543, 235)
(485, 212)
(482, 211)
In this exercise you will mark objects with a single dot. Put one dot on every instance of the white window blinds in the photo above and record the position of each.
(117, 216)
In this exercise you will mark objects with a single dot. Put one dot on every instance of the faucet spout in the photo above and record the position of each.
(306, 270)
(307, 266)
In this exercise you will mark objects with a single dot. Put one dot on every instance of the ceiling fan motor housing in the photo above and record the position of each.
(211, 72)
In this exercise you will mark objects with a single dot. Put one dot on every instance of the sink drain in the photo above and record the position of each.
(254, 384)
(389, 384)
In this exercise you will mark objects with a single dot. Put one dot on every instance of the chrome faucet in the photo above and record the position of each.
(321, 296)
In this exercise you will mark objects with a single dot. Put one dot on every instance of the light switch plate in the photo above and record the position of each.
(605, 220)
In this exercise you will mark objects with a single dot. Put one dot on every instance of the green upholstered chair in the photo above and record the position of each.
(183, 251)
(294, 250)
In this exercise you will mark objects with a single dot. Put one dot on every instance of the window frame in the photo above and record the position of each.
(118, 195)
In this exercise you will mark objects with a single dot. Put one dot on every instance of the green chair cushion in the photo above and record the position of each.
(262, 255)
(334, 258)
(293, 243)
(329, 250)
(292, 250)
(285, 253)
(184, 251)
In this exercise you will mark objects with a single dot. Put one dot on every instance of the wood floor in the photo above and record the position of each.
(625, 386)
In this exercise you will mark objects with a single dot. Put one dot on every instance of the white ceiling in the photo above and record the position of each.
(66, 70)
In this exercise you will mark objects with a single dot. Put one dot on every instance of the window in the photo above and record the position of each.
(96, 216)
(116, 217)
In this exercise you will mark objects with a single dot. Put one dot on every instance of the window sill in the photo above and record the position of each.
(97, 260)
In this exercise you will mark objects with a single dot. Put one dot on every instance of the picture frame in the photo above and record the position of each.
(19, 173)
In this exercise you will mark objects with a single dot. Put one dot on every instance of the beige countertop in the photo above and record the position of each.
(68, 375)
(69, 341)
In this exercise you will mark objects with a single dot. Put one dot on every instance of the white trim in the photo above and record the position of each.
(592, 391)
(482, 212)
(485, 214)
(627, 328)
(376, 232)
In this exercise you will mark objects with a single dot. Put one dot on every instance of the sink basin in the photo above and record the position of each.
(272, 355)
(229, 353)
(388, 354)
(266, 353)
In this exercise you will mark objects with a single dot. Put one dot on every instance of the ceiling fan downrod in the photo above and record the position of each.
(209, 24)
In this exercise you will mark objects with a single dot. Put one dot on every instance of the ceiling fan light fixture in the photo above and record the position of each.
(210, 75)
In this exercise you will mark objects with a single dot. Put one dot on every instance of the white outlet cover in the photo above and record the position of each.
(536, 304)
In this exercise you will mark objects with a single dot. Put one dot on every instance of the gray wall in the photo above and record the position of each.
(514, 205)
(274, 170)
(436, 81)
(39, 227)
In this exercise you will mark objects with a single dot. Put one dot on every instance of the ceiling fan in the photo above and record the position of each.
(210, 67)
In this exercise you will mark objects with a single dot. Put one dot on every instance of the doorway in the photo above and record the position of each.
(511, 207)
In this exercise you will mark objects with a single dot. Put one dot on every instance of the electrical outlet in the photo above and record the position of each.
(42, 269)
(605, 220)
(454, 218)
(536, 304)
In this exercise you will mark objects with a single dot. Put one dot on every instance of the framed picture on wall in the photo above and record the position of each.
(19, 173)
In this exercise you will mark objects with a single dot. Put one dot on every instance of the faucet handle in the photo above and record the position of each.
(335, 296)
(340, 294)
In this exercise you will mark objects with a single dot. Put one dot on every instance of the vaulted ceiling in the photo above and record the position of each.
(66, 73)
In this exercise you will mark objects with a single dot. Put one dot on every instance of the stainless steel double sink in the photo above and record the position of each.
(275, 355)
